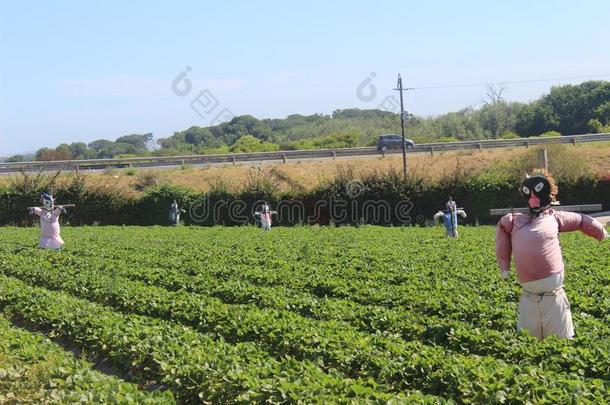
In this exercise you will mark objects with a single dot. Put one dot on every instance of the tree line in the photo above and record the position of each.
(565, 110)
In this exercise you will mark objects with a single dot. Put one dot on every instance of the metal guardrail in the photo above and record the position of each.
(159, 161)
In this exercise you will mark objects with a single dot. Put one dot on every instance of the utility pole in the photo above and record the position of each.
(403, 116)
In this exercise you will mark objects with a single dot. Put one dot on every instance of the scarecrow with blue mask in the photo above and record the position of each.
(449, 216)
(174, 214)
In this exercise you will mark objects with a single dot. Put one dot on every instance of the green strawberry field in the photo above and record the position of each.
(304, 314)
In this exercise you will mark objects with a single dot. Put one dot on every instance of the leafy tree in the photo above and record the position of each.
(496, 118)
(535, 119)
(49, 154)
(602, 113)
(567, 109)
(15, 158)
(138, 142)
(100, 144)
(79, 150)
(249, 143)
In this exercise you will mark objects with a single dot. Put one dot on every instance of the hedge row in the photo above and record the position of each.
(383, 199)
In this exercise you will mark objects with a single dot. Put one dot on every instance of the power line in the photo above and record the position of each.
(449, 86)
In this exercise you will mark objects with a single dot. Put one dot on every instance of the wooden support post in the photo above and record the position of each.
(480, 146)
(543, 159)
(234, 160)
(284, 158)
(431, 151)
(334, 155)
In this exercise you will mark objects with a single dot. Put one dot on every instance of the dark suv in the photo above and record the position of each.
(393, 141)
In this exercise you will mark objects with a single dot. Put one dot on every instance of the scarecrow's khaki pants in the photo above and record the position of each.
(544, 309)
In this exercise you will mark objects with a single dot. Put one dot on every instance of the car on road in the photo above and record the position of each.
(393, 141)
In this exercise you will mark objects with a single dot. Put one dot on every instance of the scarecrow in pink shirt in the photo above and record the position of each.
(533, 241)
(265, 216)
(49, 222)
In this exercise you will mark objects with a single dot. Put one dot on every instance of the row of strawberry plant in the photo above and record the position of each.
(35, 370)
(495, 312)
(194, 365)
(451, 334)
(460, 306)
(281, 333)
(389, 285)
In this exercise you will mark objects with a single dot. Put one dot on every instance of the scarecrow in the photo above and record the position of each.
(533, 241)
(174, 214)
(49, 222)
(265, 216)
(449, 216)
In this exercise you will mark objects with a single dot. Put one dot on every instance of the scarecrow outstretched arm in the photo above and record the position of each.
(56, 206)
(572, 221)
(438, 215)
(504, 248)
(461, 213)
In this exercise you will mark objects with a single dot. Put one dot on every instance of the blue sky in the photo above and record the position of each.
(73, 70)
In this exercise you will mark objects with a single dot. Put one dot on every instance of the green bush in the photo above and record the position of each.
(509, 135)
(549, 134)
(476, 191)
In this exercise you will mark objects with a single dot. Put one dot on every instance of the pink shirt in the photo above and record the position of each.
(534, 243)
(49, 228)
(266, 218)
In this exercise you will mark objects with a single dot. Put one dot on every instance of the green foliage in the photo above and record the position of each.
(569, 109)
(15, 158)
(550, 134)
(596, 127)
(34, 370)
(248, 143)
(215, 151)
(478, 190)
(509, 135)
(447, 139)
(134, 145)
(336, 140)
(309, 314)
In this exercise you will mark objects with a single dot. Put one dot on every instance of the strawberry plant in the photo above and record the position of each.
(307, 314)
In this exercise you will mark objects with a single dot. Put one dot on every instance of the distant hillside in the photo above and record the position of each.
(567, 110)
